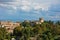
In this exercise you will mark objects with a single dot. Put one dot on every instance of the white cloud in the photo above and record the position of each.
(25, 8)
(54, 17)
(7, 6)
(24, 5)
(28, 5)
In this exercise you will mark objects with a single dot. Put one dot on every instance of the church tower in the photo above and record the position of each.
(41, 20)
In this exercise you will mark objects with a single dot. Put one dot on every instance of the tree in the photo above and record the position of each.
(18, 32)
(25, 24)
(48, 36)
(2, 33)
(27, 32)
(58, 22)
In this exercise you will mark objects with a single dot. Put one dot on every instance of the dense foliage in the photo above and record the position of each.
(48, 30)
(2, 33)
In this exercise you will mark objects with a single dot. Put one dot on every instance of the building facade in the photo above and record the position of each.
(9, 25)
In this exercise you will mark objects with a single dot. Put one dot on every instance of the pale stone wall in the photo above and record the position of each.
(9, 25)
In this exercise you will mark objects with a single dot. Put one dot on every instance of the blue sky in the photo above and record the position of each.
(18, 10)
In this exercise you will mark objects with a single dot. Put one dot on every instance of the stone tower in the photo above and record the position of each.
(41, 20)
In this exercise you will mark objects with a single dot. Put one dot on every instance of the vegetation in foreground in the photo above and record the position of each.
(48, 30)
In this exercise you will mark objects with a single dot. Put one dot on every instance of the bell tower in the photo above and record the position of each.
(41, 20)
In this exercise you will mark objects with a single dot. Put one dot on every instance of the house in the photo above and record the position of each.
(9, 25)
(40, 21)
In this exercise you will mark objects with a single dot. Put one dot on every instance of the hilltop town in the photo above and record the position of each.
(30, 30)
(9, 25)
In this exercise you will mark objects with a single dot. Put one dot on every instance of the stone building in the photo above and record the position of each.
(9, 25)
(40, 21)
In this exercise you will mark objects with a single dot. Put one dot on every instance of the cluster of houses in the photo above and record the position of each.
(9, 25)
(40, 21)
